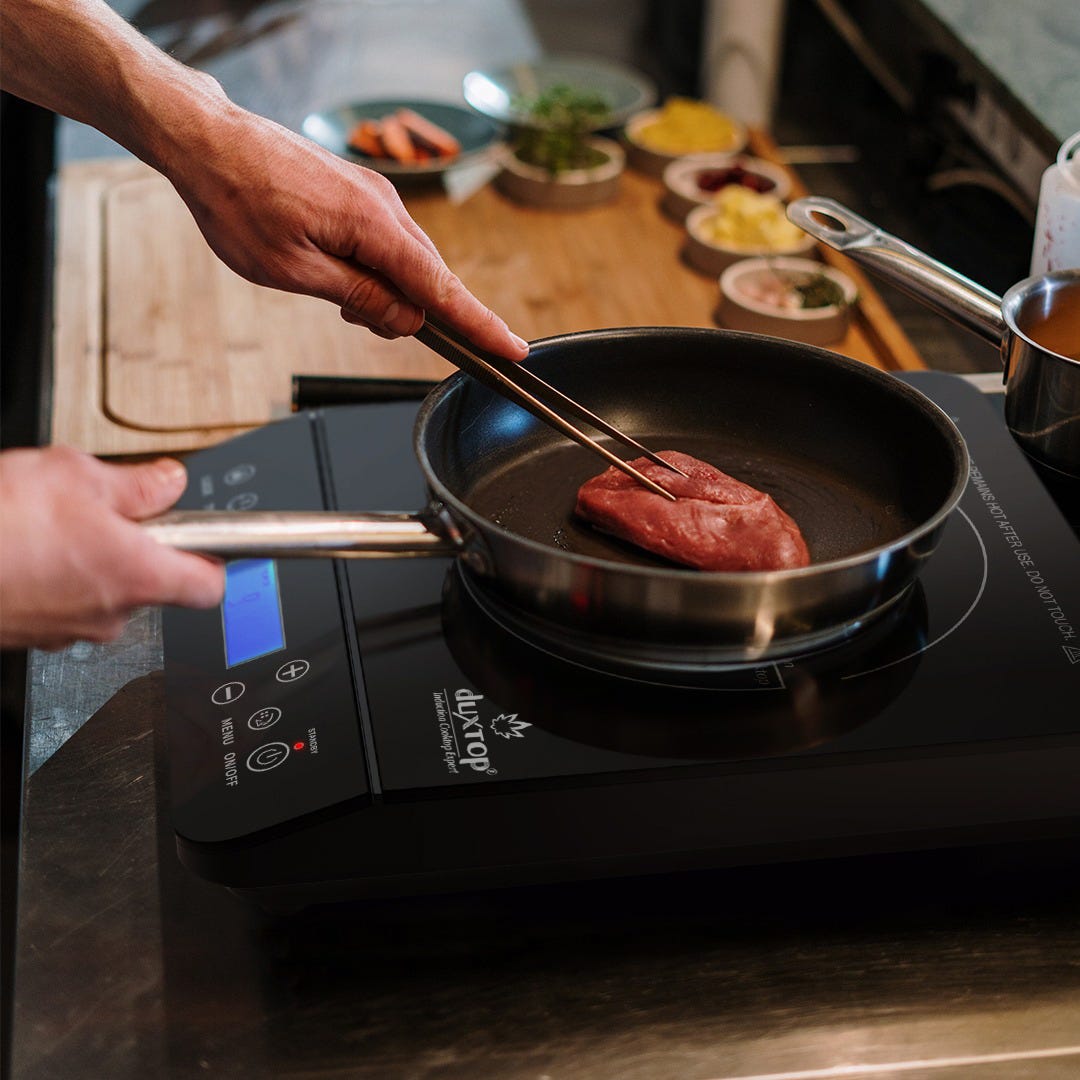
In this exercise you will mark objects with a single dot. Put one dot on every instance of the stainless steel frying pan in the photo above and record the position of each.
(869, 468)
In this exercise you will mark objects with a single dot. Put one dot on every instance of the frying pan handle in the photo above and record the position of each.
(317, 391)
(306, 534)
(914, 272)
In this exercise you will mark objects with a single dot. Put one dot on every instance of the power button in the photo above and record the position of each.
(268, 756)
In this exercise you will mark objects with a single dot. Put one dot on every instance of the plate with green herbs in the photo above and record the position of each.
(510, 94)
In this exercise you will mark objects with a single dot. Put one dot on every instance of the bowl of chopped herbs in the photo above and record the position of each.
(555, 158)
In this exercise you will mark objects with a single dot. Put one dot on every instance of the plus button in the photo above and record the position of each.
(293, 670)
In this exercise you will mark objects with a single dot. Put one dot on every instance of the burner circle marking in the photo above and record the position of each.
(955, 626)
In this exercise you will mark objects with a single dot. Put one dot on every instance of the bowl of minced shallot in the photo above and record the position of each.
(799, 299)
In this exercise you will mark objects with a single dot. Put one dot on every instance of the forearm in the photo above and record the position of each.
(81, 59)
(274, 207)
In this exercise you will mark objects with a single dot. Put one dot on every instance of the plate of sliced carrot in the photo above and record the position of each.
(404, 138)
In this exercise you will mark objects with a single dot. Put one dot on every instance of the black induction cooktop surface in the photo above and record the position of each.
(983, 648)
(347, 689)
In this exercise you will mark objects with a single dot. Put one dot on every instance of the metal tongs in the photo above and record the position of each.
(528, 390)
(332, 534)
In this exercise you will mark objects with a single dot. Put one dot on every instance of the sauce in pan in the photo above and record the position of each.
(1057, 329)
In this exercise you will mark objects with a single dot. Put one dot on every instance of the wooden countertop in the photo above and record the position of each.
(159, 347)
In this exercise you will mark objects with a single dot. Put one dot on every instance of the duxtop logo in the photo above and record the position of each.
(509, 726)
(465, 733)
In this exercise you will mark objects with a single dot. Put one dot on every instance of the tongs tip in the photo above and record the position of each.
(675, 468)
(654, 485)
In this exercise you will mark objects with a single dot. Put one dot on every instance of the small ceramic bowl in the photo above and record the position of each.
(571, 190)
(712, 257)
(694, 180)
(753, 297)
(652, 162)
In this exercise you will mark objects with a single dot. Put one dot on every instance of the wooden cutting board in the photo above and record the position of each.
(159, 347)
(189, 344)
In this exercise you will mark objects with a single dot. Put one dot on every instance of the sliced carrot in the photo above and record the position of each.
(428, 134)
(366, 138)
(396, 141)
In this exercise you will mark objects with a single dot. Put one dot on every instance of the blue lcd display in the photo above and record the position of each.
(251, 611)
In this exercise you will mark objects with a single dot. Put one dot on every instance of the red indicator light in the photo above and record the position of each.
(298, 745)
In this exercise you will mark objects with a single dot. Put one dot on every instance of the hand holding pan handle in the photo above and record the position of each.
(910, 270)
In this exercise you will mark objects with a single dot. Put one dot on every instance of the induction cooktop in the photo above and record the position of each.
(385, 726)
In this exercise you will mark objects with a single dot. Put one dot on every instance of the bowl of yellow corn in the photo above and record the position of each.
(656, 137)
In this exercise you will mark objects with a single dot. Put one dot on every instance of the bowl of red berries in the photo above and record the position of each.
(694, 180)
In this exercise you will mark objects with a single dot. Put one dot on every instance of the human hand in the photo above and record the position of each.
(275, 207)
(283, 212)
(73, 562)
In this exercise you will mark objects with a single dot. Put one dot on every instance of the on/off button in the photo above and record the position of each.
(268, 756)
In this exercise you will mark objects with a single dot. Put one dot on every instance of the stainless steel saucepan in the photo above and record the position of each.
(1036, 325)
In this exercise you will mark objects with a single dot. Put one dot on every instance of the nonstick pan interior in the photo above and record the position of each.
(534, 497)
(856, 457)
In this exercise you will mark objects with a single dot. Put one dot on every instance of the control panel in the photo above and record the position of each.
(263, 718)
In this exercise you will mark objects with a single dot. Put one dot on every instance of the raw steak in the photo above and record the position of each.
(715, 523)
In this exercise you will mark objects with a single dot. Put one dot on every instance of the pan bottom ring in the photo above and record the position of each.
(653, 661)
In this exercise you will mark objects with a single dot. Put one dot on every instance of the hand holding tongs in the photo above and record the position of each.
(538, 397)
(331, 534)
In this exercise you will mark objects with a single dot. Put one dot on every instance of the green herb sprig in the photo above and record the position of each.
(560, 122)
(819, 291)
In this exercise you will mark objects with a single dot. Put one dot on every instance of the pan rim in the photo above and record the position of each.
(681, 574)
(1017, 295)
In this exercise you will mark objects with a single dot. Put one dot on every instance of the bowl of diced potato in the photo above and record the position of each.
(737, 224)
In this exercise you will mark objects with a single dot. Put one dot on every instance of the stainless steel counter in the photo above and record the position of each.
(958, 963)
(950, 964)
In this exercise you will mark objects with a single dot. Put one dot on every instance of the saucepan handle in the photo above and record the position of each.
(306, 534)
(913, 271)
